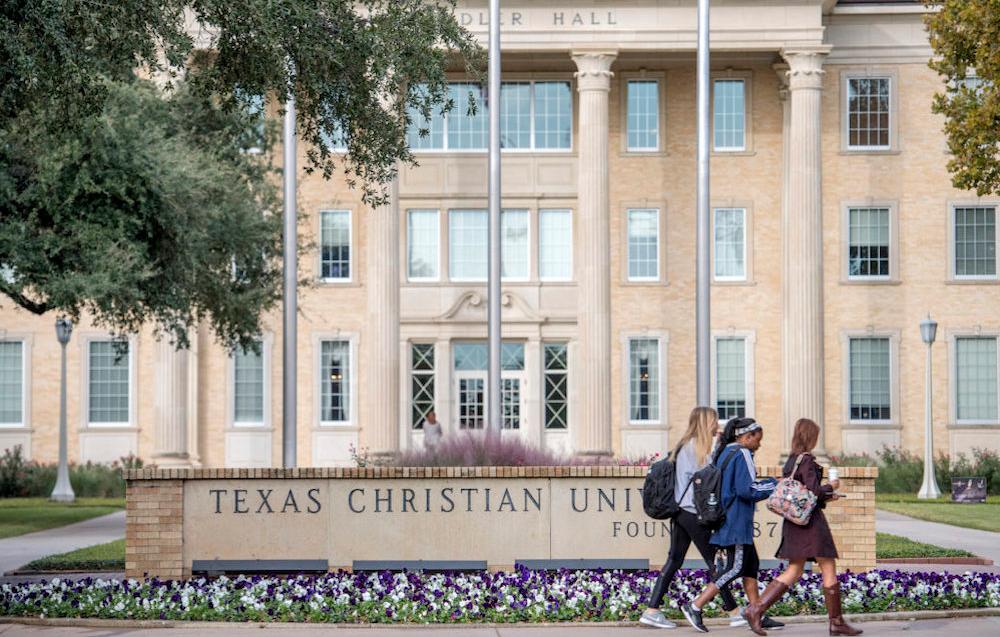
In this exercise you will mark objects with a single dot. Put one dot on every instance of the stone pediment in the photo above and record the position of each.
(471, 308)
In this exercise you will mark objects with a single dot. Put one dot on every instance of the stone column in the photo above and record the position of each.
(382, 328)
(803, 242)
(170, 406)
(593, 422)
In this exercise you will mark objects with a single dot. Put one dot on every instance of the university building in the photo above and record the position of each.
(835, 231)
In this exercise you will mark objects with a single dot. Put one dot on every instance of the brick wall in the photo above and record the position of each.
(154, 539)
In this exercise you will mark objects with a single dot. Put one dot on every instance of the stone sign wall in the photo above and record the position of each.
(499, 515)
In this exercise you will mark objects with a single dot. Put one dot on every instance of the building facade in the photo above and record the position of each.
(835, 232)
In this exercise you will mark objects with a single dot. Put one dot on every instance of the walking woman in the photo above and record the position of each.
(693, 452)
(810, 542)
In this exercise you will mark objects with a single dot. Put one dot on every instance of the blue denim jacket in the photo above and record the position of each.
(741, 490)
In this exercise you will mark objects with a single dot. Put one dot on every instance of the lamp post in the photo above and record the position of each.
(63, 491)
(929, 489)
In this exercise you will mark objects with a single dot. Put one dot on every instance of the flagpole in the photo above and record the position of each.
(703, 335)
(494, 392)
(290, 294)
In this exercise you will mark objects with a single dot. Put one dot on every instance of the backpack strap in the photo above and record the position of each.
(795, 469)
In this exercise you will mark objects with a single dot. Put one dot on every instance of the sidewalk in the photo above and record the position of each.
(19, 550)
(981, 543)
(973, 627)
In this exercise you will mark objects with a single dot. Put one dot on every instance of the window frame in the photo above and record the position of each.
(747, 244)
(85, 341)
(845, 241)
(952, 339)
(953, 275)
(869, 73)
(411, 373)
(662, 339)
(746, 76)
(25, 341)
(749, 338)
(266, 354)
(660, 247)
(351, 339)
(644, 76)
(350, 246)
(895, 379)
(570, 213)
(545, 373)
(437, 240)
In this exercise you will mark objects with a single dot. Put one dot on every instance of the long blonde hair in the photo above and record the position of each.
(703, 423)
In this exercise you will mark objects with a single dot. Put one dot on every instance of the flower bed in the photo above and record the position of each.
(521, 596)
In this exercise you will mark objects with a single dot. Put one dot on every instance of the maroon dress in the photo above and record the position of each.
(814, 539)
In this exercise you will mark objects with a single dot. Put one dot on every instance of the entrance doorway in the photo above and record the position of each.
(470, 386)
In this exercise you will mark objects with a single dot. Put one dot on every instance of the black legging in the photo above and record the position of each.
(684, 530)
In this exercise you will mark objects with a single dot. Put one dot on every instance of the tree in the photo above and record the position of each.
(965, 35)
(149, 211)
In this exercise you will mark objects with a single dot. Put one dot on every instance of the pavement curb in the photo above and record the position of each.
(86, 622)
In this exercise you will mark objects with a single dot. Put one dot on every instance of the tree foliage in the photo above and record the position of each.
(965, 36)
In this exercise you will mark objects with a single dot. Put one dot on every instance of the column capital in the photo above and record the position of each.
(805, 67)
(594, 69)
(781, 70)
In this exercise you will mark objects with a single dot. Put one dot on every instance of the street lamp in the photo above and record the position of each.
(929, 489)
(63, 491)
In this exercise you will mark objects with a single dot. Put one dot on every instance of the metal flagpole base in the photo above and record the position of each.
(63, 491)
(929, 490)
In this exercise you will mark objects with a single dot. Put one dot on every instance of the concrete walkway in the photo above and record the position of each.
(19, 550)
(981, 543)
(972, 627)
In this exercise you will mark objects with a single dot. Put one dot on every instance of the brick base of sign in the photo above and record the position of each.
(499, 515)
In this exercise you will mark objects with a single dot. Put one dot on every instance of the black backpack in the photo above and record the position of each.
(708, 494)
(658, 491)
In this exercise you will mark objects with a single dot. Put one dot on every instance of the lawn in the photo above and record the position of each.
(100, 557)
(985, 517)
(891, 546)
(27, 515)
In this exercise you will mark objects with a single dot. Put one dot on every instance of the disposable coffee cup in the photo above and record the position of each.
(834, 475)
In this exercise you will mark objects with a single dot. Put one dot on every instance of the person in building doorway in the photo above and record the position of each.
(741, 490)
(812, 541)
(432, 431)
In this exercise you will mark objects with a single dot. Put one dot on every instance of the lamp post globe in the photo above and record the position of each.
(63, 491)
(929, 488)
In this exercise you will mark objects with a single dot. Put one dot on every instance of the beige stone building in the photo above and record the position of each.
(835, 231)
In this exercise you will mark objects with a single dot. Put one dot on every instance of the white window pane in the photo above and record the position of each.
(433, 127)
(108, 383)
(336, 142)
(730, 381)
(11, 383)
(335, 244)
(729, 114)
(643, 115)
(870, 381)
(643, 244)
(514, 247)
(467, 244)
(730, 244)
(515, 115)
(422, 244)
(467, 130)
(335, 381)
(868, 242)
(975, 242)
(644, 375)
(976, 382)
(868, 112)
(555, 245)
(248, 387)
(553, 115)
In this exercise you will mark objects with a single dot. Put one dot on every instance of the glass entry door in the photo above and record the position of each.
(470, 363)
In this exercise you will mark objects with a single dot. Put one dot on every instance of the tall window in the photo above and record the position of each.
(871, 379)
(109, 386)
(975, 242)
(248, 388)
(337, 141)
(533, 116)
(253, 106)
(514, 247)
(555, 245)
(556, 372)
(421, 383)
(730, 377)
(868, 112)
(976, 378)
(467, 249)
(868, 243)
(644, 379)
(11, 383)
(729, 114)
(730, 244)
(422, 238)
(643, 244)
(643, 115)
(335, 245)
(335, 382)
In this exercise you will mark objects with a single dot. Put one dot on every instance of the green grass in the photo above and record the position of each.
(893, 546)
(985, 517)
(100, 557)
(27, 515)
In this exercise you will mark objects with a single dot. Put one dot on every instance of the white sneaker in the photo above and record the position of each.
(655, 618)
(738, 621)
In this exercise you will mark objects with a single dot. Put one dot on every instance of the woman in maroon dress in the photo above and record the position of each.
(812, 541)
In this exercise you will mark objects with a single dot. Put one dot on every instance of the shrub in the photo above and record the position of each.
(903, 472)
(90, 480)
(12, 473)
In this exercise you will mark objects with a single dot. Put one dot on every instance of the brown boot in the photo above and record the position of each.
(755, 612)
(837, 624)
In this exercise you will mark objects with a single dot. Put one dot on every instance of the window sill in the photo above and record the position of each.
(734, 153)
(974, 425)
(972, 282)
(24, 429)
(870, 282)
(729, 284)
(871, 426)
(231, 428)
(638, 154)
(337, 283)
(874, 151)
(345, 427)
(89, 428)
(644, 284)
(644, 426)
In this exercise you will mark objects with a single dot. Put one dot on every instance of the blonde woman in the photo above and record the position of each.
(693, 452)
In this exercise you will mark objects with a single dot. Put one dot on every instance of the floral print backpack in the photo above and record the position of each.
(792, 500)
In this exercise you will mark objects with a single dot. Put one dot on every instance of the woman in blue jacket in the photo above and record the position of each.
(741, 490)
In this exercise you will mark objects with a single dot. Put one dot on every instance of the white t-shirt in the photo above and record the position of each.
(432, 434)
